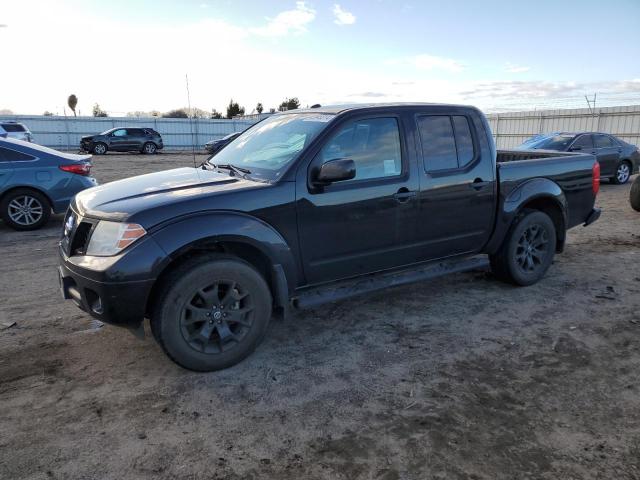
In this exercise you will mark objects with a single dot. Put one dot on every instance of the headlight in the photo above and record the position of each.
(109, 238)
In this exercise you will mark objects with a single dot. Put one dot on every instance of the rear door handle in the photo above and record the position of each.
(479, 184)
(404, 195)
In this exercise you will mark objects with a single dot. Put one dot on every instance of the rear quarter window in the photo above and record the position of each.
(9, 155)
(604, 141)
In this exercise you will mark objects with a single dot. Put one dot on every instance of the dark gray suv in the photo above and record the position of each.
(143, 140)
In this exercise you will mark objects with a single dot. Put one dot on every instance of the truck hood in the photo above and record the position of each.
(122, 199)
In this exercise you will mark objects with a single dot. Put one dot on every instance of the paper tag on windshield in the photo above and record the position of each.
(317, 118)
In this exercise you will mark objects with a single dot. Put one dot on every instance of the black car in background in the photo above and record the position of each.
(618, 159)
(143, 140)
(214, 146)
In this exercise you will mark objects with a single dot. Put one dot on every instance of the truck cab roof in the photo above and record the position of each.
(336, 109)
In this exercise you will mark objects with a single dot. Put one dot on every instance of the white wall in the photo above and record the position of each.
(509, 129)
(63, 133)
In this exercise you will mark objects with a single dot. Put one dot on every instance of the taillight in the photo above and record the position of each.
(595, 180)
(77, 168)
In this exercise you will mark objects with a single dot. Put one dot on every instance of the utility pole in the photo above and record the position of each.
(592, 109)
(591, 104)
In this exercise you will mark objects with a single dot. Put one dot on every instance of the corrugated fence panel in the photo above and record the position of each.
(64, 133)
(512, 128)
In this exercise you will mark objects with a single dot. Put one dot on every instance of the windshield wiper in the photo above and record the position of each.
(241, 172)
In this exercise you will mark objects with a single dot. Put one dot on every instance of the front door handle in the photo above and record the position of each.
(479, 184)
(404, 195)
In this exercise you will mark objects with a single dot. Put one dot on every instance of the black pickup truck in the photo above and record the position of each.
(312, 206)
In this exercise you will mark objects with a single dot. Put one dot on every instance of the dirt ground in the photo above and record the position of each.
(462, 378)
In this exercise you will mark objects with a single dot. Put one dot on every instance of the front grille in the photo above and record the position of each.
(80, 239)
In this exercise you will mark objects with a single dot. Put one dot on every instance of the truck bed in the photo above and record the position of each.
(571, 171)
(504, 156)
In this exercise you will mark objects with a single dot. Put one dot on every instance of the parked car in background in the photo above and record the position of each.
(634, 195)
(143, 140)
(214, 146)
(618, 159)
(36, 180)
(314, 206)
(16, 130)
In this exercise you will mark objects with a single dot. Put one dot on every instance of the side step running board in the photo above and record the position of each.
(380, 281)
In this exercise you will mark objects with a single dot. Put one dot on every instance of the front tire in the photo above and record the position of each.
(213, 311)
(623, 172)
(100, 148)
(634, 195)
(149, 148)
(527, 252)
(25, 209)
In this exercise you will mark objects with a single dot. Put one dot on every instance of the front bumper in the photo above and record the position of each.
(114, 290)
(593, 216)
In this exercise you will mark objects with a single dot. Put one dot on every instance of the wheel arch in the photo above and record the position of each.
(240, 235)
(13, 188)
(539, 194)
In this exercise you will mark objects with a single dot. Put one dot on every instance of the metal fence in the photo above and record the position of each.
(63, 133)
(511, 129)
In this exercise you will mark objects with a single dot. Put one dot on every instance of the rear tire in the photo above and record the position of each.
(213, 311)
(623, 172)
(149, 148)
(25, 209)
(634, 195)
(527, 251)
(100, 148)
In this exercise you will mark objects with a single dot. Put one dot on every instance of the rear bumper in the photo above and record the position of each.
(76, 184)
(593, 216)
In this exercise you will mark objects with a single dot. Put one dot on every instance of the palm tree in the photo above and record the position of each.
(72, 101)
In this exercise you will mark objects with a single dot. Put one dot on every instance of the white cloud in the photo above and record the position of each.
(430, 62)
(343, 17)
(290, 21)
(514, 68)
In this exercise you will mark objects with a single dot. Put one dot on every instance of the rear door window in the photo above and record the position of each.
(9, 155)
(446, 142)
(604, 141)
(138, 132)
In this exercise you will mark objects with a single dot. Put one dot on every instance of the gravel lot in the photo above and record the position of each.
(463, 377)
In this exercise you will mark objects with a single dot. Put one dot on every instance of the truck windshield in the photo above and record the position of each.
(555, 142)
(267, 148)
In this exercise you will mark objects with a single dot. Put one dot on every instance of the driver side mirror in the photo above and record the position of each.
(336, 170)
(575, 148)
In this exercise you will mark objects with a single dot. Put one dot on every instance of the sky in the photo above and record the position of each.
(134, 55)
